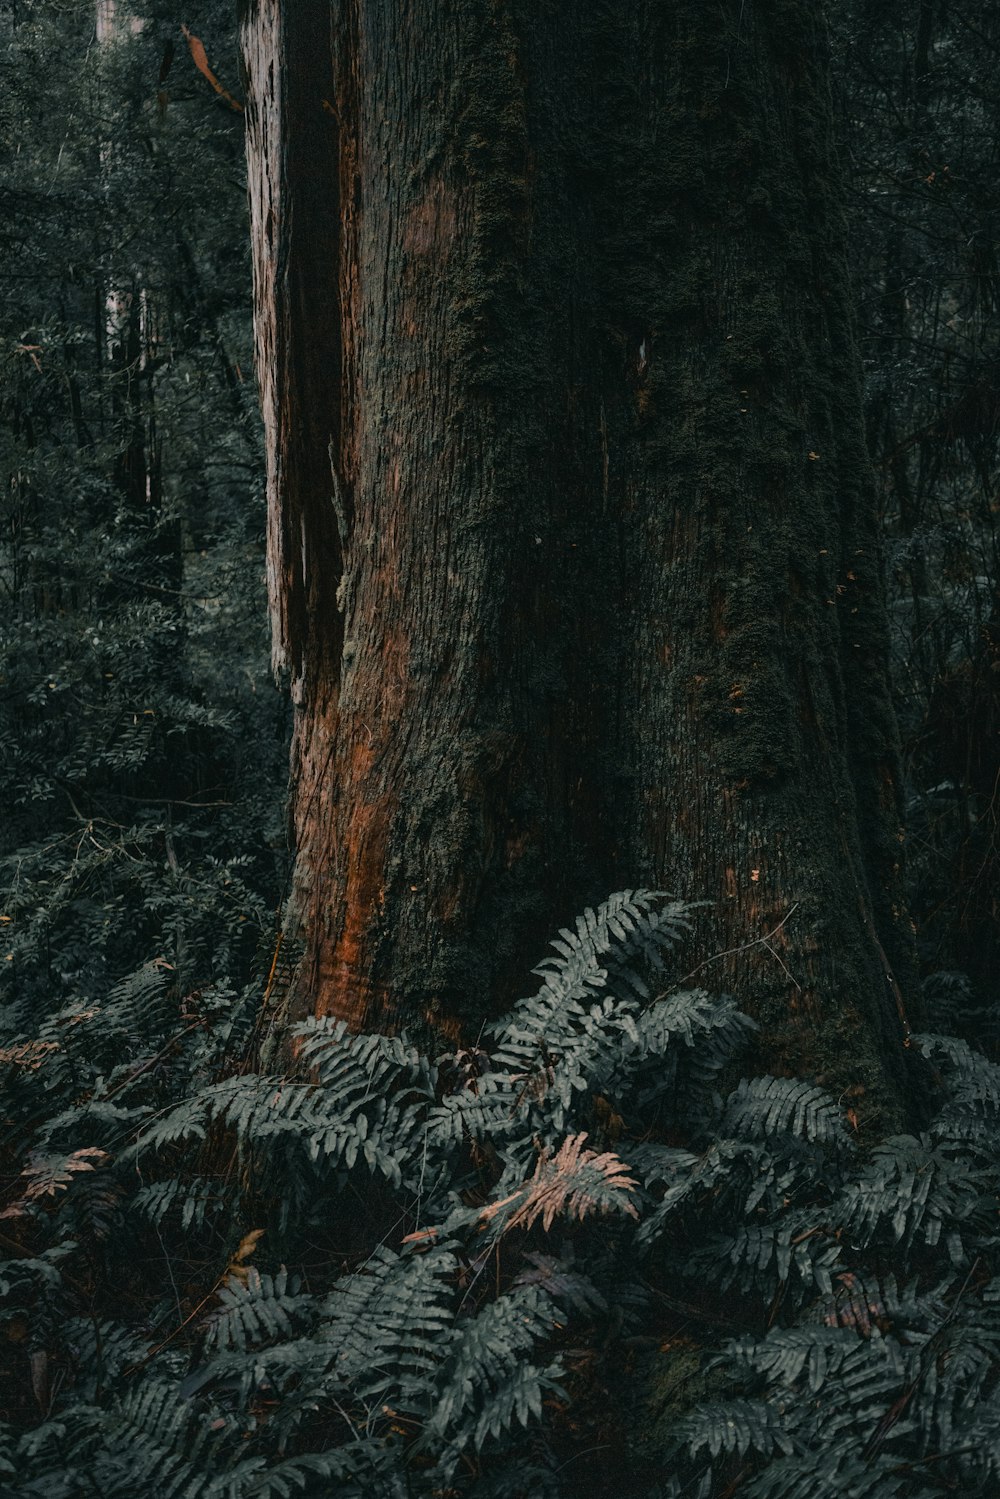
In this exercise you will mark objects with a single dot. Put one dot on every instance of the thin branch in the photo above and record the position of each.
(730, 952)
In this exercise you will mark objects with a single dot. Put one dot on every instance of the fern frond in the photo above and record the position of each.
(368, 1470)
(389, 1322)
(735, 1426)
(487, 1379)
(158, 1442)
(575, 1181)
(763, 1106)
(567, 1038)
(101, 1351)
(972, 1082)
(336, 1125)
(790, 1356)
(915, 1190)
(631, 924)
(518, 1399)
(257, 1310)
(761, 1257)
(684, 1042)
(837, 1473)
(567, 1286)
(193, 1199)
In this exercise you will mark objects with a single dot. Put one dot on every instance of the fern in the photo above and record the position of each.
(257, 1309)
(764, 1106)
(574, 1181)
(343, 1123)
(737, 1427)
(628, 925)
(193, 1199)
(838, 1473)
(788, 1357)
(763, 1257)
(972, 1082)
(568, 1201)
(565, 1041)
(487, 1380)
(915, 1190)
(387, 1323)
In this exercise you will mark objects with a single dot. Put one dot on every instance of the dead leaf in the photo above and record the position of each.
(200, 59)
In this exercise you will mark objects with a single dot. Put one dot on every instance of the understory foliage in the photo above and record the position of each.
(382, 1273)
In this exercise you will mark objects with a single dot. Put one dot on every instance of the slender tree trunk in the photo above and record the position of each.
(573, 553)
(129, 344)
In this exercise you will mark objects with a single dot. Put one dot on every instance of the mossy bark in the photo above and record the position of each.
(574, 557)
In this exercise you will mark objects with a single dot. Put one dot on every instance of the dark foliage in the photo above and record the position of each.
(140, 741)
(481, 1242)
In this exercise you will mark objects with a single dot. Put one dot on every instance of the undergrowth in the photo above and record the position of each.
(562, 1262)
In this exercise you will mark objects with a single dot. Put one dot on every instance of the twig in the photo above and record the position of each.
(128, 1081)
(730, 952)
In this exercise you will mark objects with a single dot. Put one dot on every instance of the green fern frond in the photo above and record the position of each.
(631, 924)
(735, 1426)
(567, 1286)
(791, 1356)
(684, 1041)
(567, 1039)
(838, 1473)
(153, 1441)
(374, 1472)
(193, 1199)
(519, 1399)
(734, 1178)
(388, 1324)
(257, 1310)
(336, 1125)
(101, 1351)
(914, 1190)
(487, 1379)
(761, 1257)
(763, 1106)
(693, 1017)
(971, 1081)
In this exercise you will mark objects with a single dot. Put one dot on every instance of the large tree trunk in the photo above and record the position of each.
(573, 552)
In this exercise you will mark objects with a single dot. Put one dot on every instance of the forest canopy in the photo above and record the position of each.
(531, 1029)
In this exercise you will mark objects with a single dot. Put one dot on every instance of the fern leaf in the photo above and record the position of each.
(486, 1378)
(765, 1106)
(737, 1426)
(832, 1473)
(574, 1181)
(788, 1357)
(259, 1309)
(387, 1324)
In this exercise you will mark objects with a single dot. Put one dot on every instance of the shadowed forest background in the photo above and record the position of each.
(569, 1251)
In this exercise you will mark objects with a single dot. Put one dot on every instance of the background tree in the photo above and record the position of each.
(573, 550)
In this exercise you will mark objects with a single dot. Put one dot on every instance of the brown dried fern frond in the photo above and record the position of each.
(574, 1181)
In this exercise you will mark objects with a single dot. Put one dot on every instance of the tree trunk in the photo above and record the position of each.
(574, 561)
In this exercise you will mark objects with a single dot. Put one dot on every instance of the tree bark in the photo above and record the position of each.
(574, 562)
